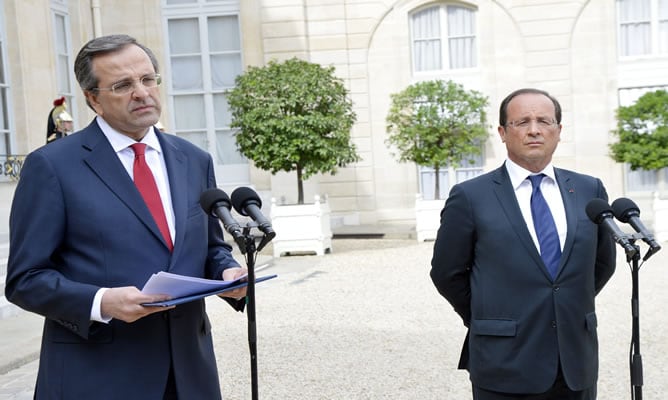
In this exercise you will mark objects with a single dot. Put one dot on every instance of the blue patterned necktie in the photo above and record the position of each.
(546, 229)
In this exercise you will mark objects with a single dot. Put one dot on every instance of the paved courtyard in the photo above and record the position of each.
(365, 322)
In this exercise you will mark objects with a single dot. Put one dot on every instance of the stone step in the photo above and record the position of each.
(21, 336)
(4, 253)
(7, 309)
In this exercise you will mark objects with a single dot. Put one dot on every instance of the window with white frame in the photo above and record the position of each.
(63, 49)
(471, 167)
(5, 115)
(204, 60)
(641, 180)
(443, 38)
(643, 27)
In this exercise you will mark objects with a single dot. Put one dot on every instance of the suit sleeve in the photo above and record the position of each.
(605, 251)
(37, 224)
(453, 253)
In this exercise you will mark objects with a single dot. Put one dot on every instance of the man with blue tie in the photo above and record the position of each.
(521, 263)
(94, 215)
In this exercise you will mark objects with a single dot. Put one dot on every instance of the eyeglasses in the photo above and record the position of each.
(524, 123)
(127, 86)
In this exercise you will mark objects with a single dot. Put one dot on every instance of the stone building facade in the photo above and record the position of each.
(591, 54)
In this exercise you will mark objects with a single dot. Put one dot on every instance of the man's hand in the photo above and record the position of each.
(125, 303)
(231, 274)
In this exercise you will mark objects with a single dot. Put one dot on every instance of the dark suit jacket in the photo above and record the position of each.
(521, 323)
(78, 223)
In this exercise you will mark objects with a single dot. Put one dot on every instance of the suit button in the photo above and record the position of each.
(555, 288)
(554, 324)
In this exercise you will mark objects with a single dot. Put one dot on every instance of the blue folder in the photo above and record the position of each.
(196, 296)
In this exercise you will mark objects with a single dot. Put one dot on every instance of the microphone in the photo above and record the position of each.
(599, 211)
(628, 212)
(217, 203)
(247, 203)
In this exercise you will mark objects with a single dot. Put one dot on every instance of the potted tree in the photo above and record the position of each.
(295, 116)
(436, 124)
(642, 129)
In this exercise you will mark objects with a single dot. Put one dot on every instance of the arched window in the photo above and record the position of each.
(63, 47)
(204, 59)
(641, 180)
(6, 136)
(643, 27)
(443, 37)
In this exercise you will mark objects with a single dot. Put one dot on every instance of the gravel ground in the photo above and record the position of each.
(365, 322)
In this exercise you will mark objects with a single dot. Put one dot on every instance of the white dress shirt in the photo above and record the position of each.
(551, 193)
(156, 162)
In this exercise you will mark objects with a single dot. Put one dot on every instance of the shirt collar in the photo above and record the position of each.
(120, 142)
(518, 174)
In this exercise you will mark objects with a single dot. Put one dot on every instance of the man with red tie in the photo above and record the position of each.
(94, 216)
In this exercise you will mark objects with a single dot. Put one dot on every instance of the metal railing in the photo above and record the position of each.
(10, 167)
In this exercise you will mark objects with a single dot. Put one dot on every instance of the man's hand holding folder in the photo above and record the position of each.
(182, 289)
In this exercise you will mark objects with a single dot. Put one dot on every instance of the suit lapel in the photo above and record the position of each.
(507, 200)
(177, 171)
(104, 162)
(569, 197)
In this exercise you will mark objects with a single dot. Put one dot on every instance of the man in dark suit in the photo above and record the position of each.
(83, 240)
(527, 301)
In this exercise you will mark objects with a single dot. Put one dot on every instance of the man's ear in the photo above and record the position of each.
(502, 133)
(92, 100)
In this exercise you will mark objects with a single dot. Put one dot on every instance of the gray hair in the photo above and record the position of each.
(83, 65)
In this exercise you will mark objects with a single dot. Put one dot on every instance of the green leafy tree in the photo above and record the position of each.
(642, 129)
(293, 116)
(437, 124)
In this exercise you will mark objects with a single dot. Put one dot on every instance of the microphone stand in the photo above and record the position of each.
(635, 359)
(250, 251)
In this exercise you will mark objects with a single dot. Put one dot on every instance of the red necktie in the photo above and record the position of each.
(149, 191)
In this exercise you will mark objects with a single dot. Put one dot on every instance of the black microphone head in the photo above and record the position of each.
(210, 197)
(624, 209)
(242, 197)
(598, 209)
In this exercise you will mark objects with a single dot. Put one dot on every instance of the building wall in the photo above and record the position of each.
(566, 48)
(31, 73)
(32, 61)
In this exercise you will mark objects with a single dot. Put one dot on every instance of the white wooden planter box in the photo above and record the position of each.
(301, 227)
(427, 217)
(660, 208)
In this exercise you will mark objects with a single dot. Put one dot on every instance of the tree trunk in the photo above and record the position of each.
(300, 186)
(437, 182)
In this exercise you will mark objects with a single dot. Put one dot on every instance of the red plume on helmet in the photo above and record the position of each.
(55, 127)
